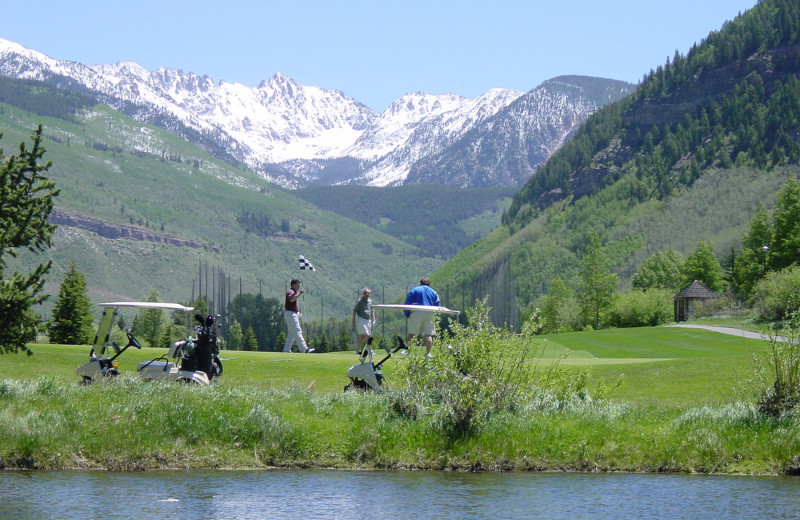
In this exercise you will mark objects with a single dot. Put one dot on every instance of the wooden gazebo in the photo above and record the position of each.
(685, 300)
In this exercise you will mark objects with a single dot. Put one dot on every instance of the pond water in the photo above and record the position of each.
(397, 494)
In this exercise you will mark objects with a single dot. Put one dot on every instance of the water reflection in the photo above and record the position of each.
(221, 495)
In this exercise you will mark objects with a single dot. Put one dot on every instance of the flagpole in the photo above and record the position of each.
(305, 265)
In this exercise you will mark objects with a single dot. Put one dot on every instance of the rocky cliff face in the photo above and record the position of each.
(119, 231)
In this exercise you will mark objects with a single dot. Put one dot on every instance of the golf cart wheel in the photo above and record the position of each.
(187, 381)
(86, 381)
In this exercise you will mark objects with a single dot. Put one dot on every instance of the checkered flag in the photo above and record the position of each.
(305, 264)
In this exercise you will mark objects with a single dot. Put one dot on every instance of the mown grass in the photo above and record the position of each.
(663, 366)
(683, 406)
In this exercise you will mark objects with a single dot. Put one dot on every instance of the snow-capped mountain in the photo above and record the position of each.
(448, 119)
(290, 133)
(506, 148)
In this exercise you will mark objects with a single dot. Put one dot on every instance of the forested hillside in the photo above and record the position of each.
(718, 126)
(142, 211)
(730, 100)
(41, 100)
(439, 220)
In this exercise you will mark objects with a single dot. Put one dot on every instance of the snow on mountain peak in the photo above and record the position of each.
(428, 124)
(280, 121)
(7, 46)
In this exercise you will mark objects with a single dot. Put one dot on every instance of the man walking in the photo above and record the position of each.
(420, 323)
(291, 313)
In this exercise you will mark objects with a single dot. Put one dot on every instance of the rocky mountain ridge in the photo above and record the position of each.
(116, 231)
(298, 135)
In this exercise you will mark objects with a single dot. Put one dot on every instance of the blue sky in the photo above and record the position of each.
(374, 51)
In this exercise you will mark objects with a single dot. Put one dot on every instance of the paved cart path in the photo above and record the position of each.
(729, 330)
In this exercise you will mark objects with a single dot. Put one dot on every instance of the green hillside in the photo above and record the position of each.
(703, 142)
(144, 181)
(439, 220)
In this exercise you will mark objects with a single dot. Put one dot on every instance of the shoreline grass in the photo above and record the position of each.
(129, 424)
(680, 409)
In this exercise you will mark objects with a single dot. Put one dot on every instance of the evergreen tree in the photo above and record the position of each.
(343, 337)
(323, 345)
(26, 200)
(200, 306)
(72, 318)
(597, 282)
(263, 315)
(235, 336)
(250, 342)
(170, 333)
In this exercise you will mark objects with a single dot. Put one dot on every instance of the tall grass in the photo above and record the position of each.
(677, 415)
(130, 424)
(778, 378)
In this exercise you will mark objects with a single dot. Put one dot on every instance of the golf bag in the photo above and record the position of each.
(204, 354)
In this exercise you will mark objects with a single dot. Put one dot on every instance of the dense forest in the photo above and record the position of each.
(261, 224)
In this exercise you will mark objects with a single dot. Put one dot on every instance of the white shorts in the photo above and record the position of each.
(420, 323)
(363, 327)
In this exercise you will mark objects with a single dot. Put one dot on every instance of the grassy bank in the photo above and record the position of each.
(680, 408)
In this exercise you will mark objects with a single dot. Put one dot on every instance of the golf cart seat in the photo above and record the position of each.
(176, 349)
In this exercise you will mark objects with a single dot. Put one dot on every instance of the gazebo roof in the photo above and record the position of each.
(696, 290)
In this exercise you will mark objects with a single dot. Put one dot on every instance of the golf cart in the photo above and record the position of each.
(367, 375)
(193, 360)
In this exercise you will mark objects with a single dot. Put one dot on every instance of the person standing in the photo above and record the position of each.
(420, 323)
(291, 313)
(363, 318)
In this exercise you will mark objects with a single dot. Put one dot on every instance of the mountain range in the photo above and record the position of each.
(296, 135)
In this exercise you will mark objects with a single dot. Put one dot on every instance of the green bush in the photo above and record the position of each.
(778, 294)
(560, 311)
(478, 370)
(642, 308)
(778, 379)
(727, 304)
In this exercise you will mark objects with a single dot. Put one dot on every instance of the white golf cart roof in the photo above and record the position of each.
(418, 308)
(149, 305)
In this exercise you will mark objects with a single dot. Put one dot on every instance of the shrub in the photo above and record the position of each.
(478, 370)
(727, 304)
(560, 311)
(778, 380)
(642, 308)
(778, 294)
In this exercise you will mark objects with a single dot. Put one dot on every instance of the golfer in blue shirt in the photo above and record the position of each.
(420, 323)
